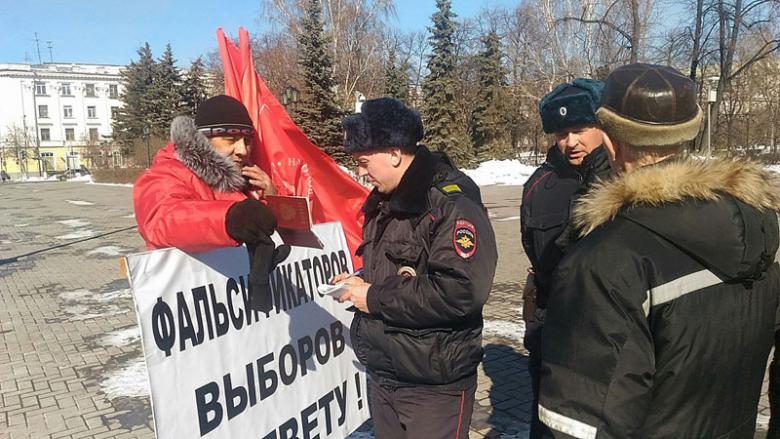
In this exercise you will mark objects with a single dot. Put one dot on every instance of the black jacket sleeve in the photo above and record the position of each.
(597, 348)
(454, 288)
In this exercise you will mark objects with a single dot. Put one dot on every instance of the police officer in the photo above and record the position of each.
(576, 160)
(429, 256)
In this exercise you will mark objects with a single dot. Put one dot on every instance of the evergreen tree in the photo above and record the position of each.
(317, 114)
(440, 113)
(137, 79)
(490, 118)
(396, 79)
(194, 89)
(164, 95)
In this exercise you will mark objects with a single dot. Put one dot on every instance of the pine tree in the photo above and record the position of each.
(317, 114)
(490, 118)
(137, 79)
(443, 132)
(396, 79)
(194, 89)
(164, 96)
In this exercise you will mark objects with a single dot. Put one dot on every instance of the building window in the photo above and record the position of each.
(113, 91)
(70, 134)
(67, 111)
(114, 112)
(90, 90)
(91, 112)
(40, 88)
(65, 89)
(93, 134)
(43, 111)
(45, 134)
(47, 160)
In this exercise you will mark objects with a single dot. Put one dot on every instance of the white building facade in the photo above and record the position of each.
(54, 114)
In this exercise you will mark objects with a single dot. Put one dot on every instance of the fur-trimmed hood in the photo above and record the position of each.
(722, 213)
(194, 150)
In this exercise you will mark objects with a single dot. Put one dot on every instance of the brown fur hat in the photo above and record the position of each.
(649, 105)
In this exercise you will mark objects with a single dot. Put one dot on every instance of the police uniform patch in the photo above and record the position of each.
(464, 238)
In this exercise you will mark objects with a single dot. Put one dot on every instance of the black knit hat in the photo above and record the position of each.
(223, 116)
(382, 123)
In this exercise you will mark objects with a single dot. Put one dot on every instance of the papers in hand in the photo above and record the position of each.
(332, 290)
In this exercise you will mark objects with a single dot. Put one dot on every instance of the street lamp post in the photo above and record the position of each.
(712, 96)
(148, 153)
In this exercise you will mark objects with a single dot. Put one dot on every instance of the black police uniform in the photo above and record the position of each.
(430, 254)
(548, 197)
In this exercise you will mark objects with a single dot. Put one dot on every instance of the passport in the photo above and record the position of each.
(291, 212)
(293, 220)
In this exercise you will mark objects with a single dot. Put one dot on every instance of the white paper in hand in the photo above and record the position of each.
(332, 290)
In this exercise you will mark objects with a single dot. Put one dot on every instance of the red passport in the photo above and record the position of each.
(293, 220)
(291, 212)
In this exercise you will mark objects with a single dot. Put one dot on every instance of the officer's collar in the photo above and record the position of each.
(410, 198)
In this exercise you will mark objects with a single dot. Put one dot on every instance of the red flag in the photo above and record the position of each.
(295, 164)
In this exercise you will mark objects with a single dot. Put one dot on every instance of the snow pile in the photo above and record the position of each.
(122, 337)
(78, 234)
(74, 223)
(80, 202)
(505, 329)
(130, 381)
(773, 168)
(109, 250)
(509, 172)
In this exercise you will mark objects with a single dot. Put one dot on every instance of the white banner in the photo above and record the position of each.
(219, 370)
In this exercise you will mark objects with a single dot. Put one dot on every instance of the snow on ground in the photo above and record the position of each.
(509, 218)
(122, 337)
(109, 250)
(80, 202)
(83, 233)
(505, 329)
(74, 223)
(85, 304)
(508, 172)
(111, 184)
(130, 381)
(773, 168)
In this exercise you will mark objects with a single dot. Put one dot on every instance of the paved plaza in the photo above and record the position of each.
(71, 364)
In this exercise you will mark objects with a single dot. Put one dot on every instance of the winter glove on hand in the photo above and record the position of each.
(250, 221)
(263, 259)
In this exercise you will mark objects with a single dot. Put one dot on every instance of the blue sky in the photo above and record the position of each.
(110, 31)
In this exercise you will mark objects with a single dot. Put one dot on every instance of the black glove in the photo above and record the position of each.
(250, 221)
(263, 259)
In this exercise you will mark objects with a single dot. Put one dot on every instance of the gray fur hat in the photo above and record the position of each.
(382, 123)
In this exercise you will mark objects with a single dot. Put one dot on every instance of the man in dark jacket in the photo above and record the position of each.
(574, 162)
(663, 315)
(429, 255)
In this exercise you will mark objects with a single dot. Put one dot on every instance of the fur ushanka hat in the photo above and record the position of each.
(649, 105)
(382, 123)
(571, 104)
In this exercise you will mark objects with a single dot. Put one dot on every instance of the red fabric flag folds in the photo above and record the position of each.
(295, 164)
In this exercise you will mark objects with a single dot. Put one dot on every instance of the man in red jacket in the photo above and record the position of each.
(201, 192)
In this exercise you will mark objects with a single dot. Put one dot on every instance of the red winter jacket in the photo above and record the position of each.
(182, 199)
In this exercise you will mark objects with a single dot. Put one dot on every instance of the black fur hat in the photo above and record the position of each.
(382, 123)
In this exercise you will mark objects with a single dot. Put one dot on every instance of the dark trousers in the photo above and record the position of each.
(533, 343)
(421, 412)
(774, 392)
